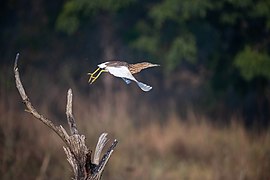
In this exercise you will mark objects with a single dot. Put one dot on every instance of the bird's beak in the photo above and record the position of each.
(154, 65)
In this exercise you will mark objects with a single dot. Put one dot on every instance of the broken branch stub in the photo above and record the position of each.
(78, 155)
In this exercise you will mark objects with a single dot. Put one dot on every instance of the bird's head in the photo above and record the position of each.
(103, 65)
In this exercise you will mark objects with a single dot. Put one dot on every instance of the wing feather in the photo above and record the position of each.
(124, 73)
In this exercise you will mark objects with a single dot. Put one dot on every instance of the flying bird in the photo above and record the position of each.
(122, 70)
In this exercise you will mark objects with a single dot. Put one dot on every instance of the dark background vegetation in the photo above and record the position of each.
(207, 116)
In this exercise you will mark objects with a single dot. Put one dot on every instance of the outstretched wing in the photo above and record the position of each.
(124, 73)
(121, 72)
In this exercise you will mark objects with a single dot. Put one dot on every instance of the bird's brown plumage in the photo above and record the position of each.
(136, 68)
(133, 68)
(117, 63)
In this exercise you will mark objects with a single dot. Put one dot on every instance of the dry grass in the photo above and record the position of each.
(180, 150)
(174, 149)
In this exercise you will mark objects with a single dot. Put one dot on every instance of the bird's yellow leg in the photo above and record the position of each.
(95, 78)
(92, 74)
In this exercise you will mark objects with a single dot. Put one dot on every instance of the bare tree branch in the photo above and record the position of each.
(102, 141)
(78, 155)
(105, 158)
(70, 117)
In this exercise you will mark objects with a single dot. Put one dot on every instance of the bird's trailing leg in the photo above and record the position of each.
(95, 77)
(92, 74)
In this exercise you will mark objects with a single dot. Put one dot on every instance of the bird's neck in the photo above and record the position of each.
(136, 68)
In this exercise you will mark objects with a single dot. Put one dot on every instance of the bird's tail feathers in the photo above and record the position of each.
(144, 87)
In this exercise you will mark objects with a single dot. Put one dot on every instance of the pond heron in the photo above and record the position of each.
(122, 70)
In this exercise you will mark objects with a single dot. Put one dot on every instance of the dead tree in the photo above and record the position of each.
(78, 155)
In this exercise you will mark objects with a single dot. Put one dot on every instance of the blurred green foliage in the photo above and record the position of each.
(73, 10)
(181, 48)
(253, 64)
(178, 11)
(168, 29)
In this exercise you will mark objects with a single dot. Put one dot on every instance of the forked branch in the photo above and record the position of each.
(78, 155)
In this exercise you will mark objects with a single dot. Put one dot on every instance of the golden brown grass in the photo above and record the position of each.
(173, 149)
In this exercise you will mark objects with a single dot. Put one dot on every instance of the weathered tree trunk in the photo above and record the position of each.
(78, 155)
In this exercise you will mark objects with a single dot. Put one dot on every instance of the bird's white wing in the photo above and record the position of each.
(127, 80)
(143, 86)
(124, 73)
